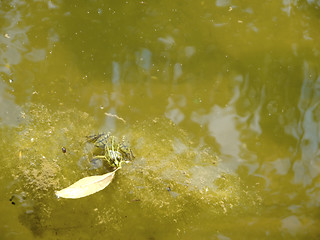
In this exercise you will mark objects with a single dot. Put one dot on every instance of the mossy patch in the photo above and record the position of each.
(170, 181)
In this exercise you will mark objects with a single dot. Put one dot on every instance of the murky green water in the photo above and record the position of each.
(221, 104)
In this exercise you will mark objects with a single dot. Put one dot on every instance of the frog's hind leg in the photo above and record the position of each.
(93, 138)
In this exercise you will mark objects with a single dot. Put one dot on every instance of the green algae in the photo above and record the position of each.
(35, 161)
(170, 180)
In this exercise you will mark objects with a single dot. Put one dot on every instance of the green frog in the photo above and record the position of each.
(113, 152)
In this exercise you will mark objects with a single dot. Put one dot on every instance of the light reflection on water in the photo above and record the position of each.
(9, 111)
(226, 135)
(240, 78)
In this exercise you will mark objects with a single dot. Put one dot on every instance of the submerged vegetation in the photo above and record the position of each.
(169, 177)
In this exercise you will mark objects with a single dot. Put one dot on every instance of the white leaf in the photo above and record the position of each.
(86, 186)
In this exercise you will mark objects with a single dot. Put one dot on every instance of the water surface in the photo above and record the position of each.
(221, 107)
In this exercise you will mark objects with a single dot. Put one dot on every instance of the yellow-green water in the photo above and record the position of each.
(221, 105)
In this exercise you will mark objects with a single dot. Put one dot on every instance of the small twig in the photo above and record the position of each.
(115, 116)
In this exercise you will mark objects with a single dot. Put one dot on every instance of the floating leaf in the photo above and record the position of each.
(86, 186)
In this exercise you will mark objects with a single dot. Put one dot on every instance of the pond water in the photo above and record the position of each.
(219, 100)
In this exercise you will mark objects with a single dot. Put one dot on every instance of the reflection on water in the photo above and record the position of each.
(308, 167)
(173, 111)
(241, 78)
(226, 134)
(9, 110)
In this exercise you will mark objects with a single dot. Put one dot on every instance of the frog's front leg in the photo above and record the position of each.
(103, 158)
(99, 157)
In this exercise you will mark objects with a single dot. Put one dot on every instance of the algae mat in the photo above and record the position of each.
(171, 184)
